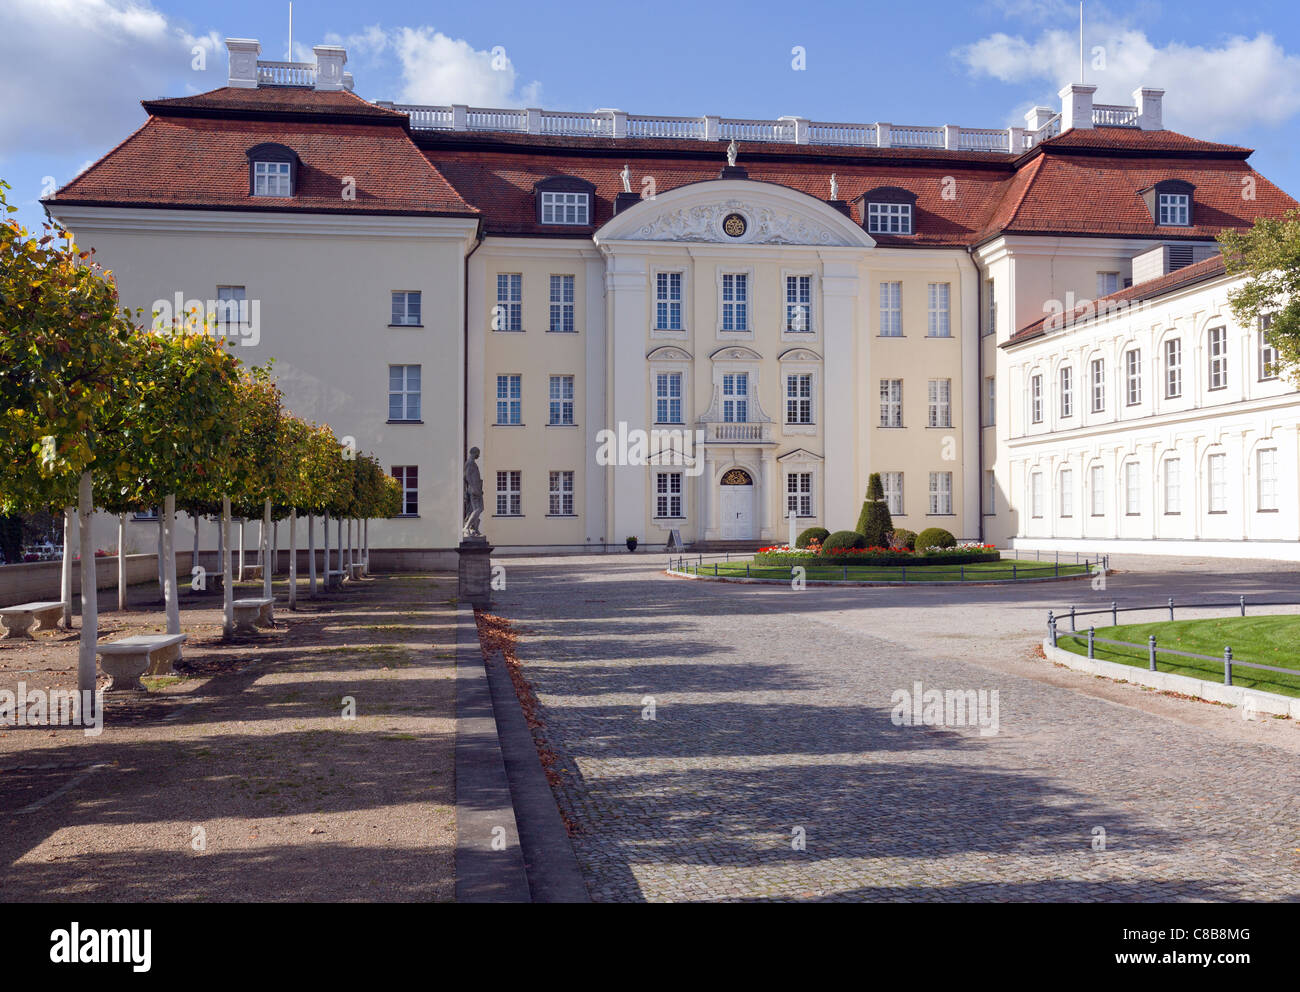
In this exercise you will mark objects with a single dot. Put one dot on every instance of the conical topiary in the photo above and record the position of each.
(874, 522)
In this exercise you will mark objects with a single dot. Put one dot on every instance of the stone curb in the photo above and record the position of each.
(1214, 692)
(484, 811)
(854, 583)
(552, 867)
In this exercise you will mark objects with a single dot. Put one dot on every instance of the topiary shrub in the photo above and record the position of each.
(934, 537)
(818, 534)
(874, 522)
(843, 540)
(903, 538)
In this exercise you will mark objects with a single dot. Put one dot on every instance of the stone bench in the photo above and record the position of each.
(253, 613)
(19, 620)
(251, 573)
(126, 660)
(358, 570)
(334, 579)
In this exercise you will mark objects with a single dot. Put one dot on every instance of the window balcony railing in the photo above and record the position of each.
(738, 433)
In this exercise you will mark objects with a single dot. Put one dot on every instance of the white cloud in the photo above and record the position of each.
(439, 69)
(75, 70)
(1210, 90)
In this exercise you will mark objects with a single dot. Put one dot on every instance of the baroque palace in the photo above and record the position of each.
(652, 324)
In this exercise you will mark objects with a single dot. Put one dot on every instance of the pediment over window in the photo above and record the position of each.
(799, 355)
(668, 354)
(735, 353)
(800, 456)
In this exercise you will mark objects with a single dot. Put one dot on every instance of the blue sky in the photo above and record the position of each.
(1232, 71)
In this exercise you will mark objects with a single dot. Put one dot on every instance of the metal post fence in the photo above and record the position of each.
(1092, 632)
(1151, 652)
(1227, 665)
(1243, 606)
(1114, 613)
(1171, 608)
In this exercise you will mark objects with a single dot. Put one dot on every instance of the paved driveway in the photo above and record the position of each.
(772, 768)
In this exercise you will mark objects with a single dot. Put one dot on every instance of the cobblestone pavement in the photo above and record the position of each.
(772, 725)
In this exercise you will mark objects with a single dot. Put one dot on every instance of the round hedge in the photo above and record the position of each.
(844, 539)
(818, 534)
(934, 537)
(904, 538)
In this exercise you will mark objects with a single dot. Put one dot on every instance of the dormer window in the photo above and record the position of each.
(1175, 209)
(1170, 203)
(889, 210)
(564, 201)
(272, 171)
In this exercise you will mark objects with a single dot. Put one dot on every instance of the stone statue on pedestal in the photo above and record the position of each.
(626, 176)
(732, 151)
(473, 495)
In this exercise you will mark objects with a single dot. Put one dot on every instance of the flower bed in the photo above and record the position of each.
(965, 554)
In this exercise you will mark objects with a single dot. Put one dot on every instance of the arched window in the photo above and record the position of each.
(272, 170)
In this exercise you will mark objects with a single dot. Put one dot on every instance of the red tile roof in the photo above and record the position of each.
(1190, 275)
(201, 162)
(191, 153)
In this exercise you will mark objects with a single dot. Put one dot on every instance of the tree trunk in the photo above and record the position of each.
(366, 557)
(66, 588)
(162, 555)
(171, 596)
(266, 548)
(227, 590)
(326, 549)
(311, 555)
(194, 558)
(275, 546)
(338, 548)
(221, 546)
(121, 562)
(293, 559)
(242, 521)
(89, 602)
(347, 569)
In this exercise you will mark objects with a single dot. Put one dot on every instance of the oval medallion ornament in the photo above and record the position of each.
(734, 225)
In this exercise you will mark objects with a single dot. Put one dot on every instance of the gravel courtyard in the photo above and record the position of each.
(772, 770)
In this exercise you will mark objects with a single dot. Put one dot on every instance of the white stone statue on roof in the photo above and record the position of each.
(732, 151)
(835, 187)
(627, 178)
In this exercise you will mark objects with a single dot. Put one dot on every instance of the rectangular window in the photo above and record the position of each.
(668, 398)
(1036, 399)
(1218, 465)
(561, 494)
(1173, 368)
(1098, 385)
(941, 494)
(735, 301)
(891, 309)
(510, 498)
(1133, 375)
(406, 308)
(668, 495)
(1218, 358)
(1174, 209)
(271, 179)
(562, 305)
(1097, 485)
(561, 401)
(232, 307)
(1067, 492)
(891, 402)
(1133, 489)
(735, 397)
(799, 398)
(565, 208)
(510, 404)
(990, 401)
(508, 314)
(1036, 494)
(1268, 366)
(990, 308)
(940, 324)
(893, 483)
(408, 477)
(799, 494)
(940, 403)
(1107, 283)
(889, 218)
(668, 301)
(403, 392)
(1173, 486)
(798, 304)
(1067, 391)
(1266, 473)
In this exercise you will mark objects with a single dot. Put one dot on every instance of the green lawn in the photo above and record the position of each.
(1266, 640)
(984, 571)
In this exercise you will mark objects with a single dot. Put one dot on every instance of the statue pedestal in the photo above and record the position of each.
(475, 571)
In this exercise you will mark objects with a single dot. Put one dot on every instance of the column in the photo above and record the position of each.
(841, 431)
(626, 286)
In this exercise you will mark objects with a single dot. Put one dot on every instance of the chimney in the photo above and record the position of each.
(1076, 106)
(243, 62)
(1036, 118)
(330, 60)
(1149, 106)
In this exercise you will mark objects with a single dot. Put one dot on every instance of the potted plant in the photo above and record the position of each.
(631, 543)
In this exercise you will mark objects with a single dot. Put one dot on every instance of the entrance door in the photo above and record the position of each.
(736, 506)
